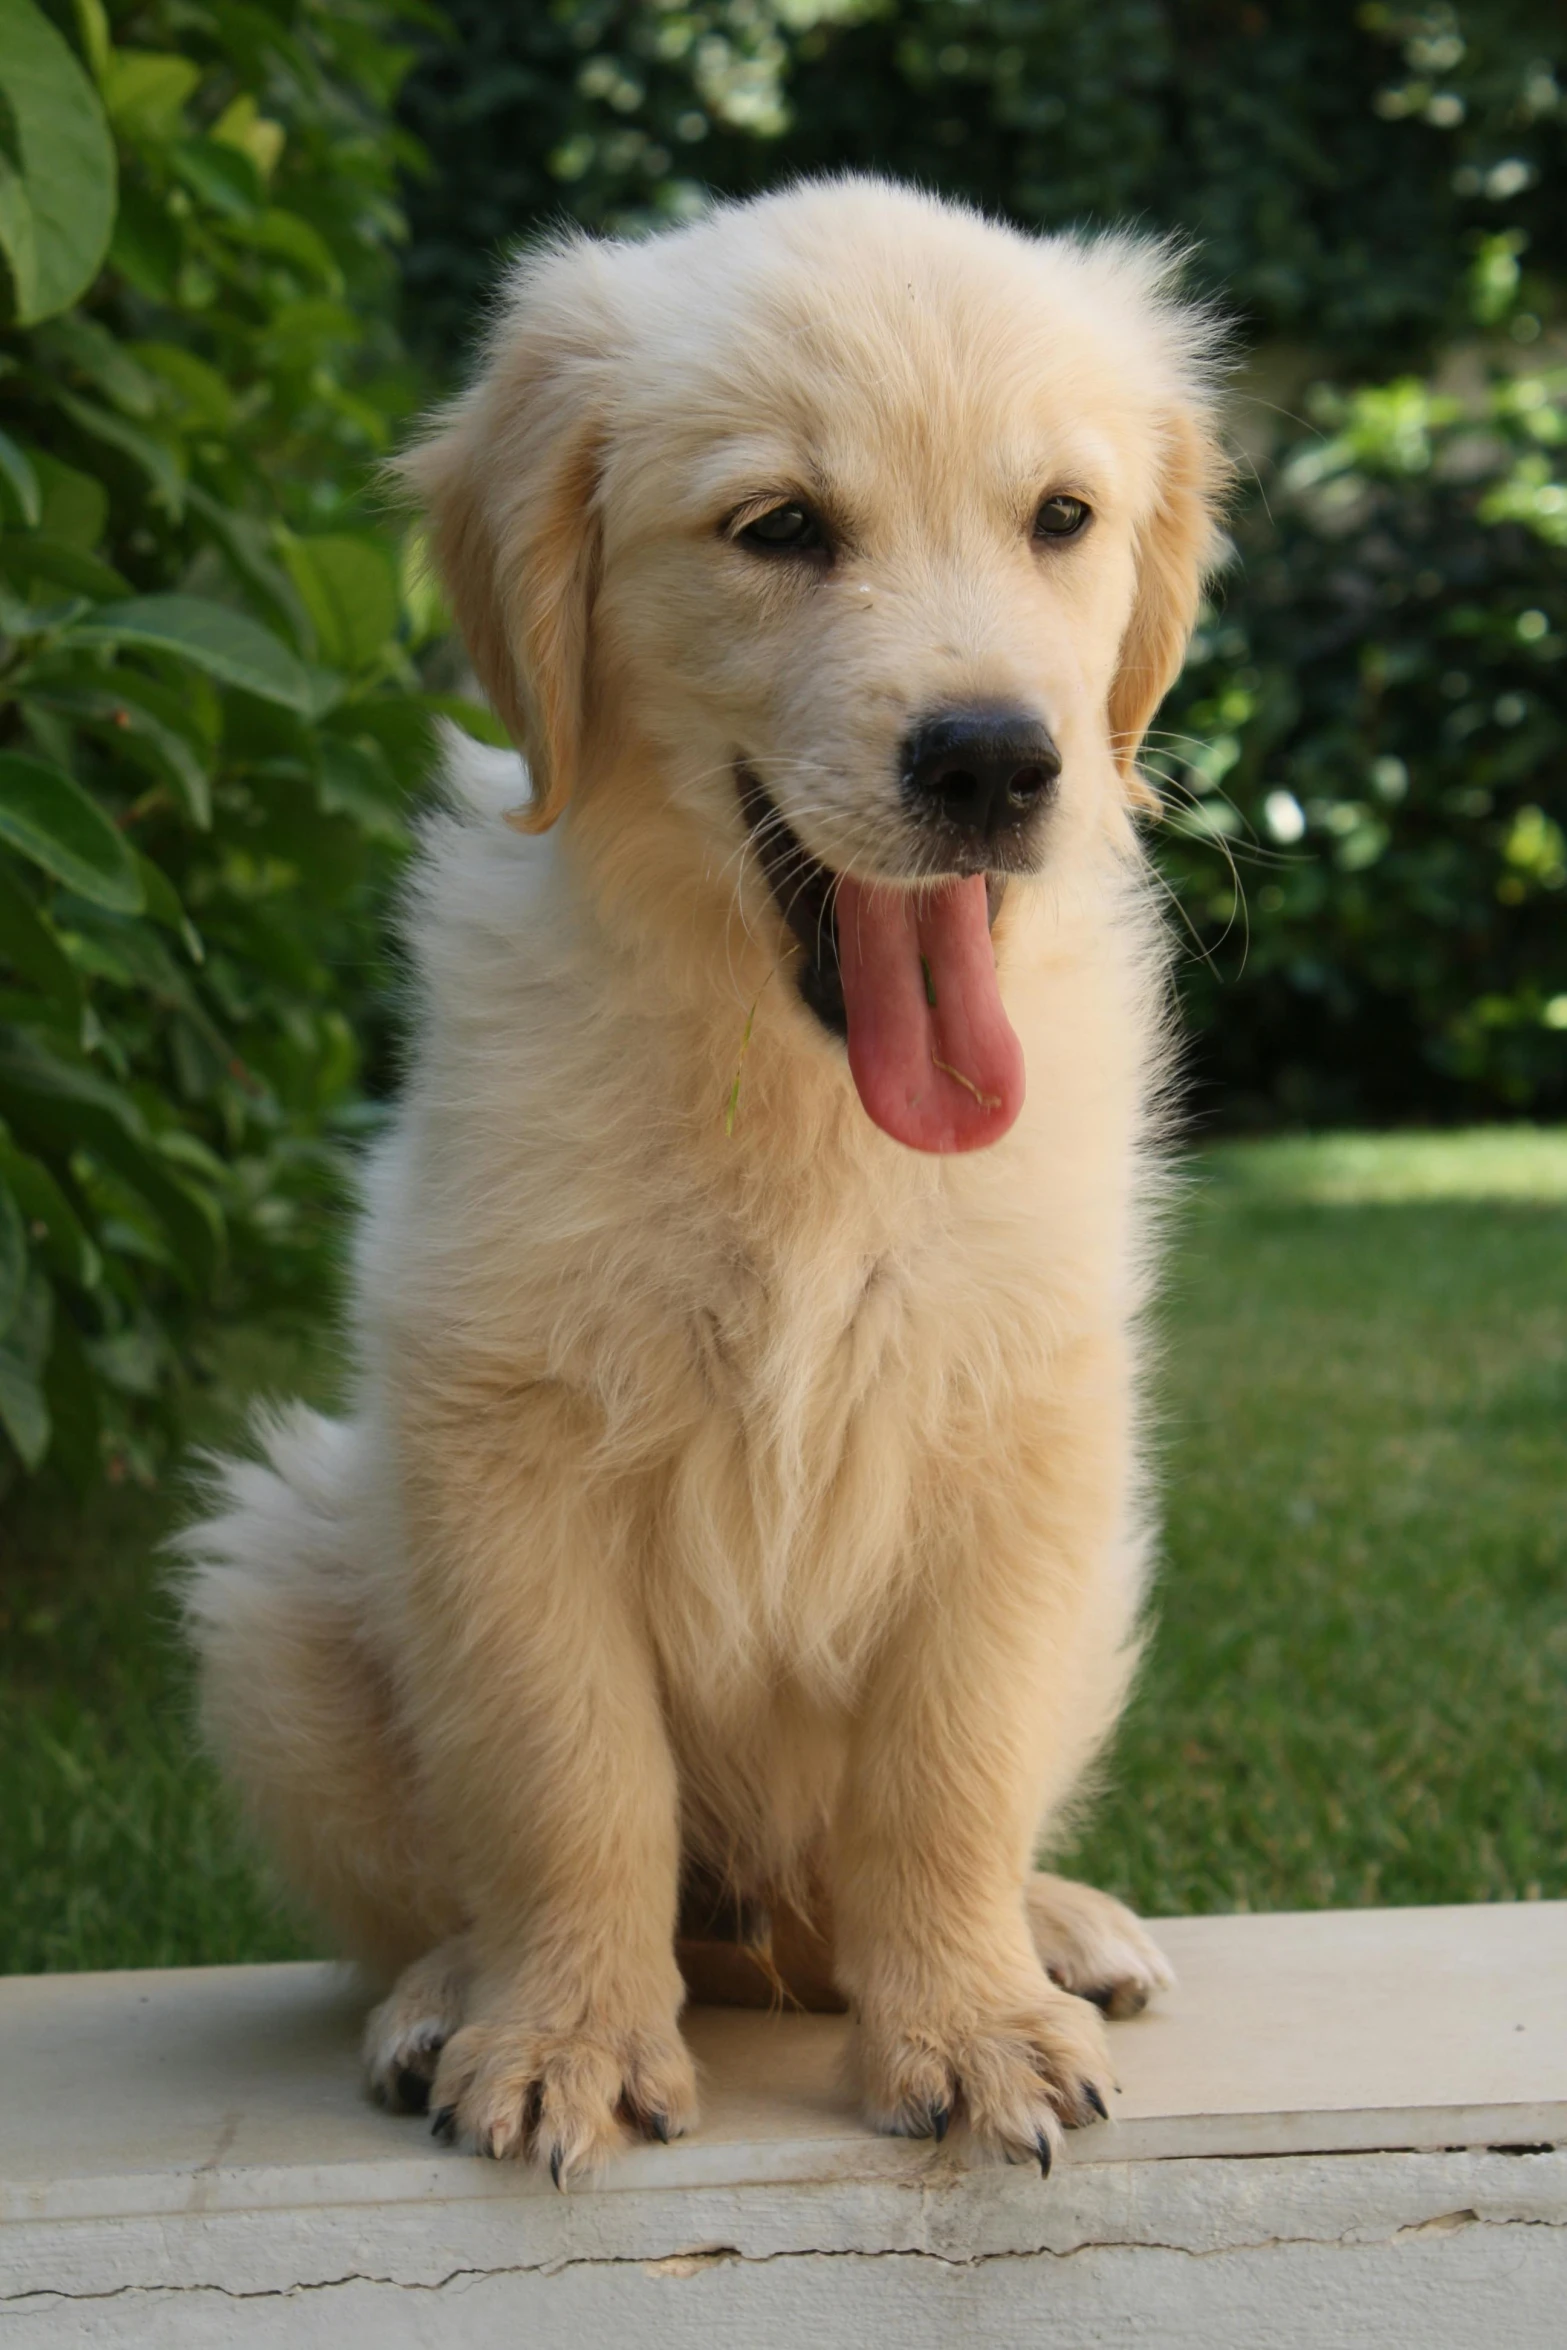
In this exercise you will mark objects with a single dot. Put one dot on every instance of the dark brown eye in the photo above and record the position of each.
(784, 530)
(1060, 518)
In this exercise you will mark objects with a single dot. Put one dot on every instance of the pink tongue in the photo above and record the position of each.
(933, 1055)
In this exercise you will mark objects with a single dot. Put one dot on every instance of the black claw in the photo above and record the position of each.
(555, 2164)
(940, 2121)
(1043, 2149)
(1096, 2101)
(413, 2090)
(443, 2124)
(658, 2127)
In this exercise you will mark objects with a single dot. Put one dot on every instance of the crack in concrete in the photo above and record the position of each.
(700, 2258)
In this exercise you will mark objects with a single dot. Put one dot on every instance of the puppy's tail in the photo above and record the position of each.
(295, 1701)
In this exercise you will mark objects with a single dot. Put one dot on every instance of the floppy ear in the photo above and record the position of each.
(1178, 545)
(508, 478)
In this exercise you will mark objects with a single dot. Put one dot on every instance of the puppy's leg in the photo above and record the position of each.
(296, 1700)
(1092, 1944)
(538, 1724)
(973, 1719)
(953, 2008)
(404, 2036)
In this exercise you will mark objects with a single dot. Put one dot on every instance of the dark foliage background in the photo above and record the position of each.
(212, 713)
(242, 241)
(1379, 702)
(1335, 165)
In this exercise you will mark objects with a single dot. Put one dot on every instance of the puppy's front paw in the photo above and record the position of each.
(1092, 1944)
(561, 2098)
(1018, 2071)
(404, 2036)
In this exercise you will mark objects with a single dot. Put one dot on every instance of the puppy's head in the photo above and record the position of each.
(883, 530)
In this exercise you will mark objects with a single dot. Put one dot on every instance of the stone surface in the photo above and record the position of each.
(1341, 2128)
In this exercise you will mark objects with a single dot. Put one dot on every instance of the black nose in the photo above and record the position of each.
(983, 771)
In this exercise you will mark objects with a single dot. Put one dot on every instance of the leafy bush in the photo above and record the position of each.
(1332, 164)
(1372, 730)
(212, 648)
(1382, 695)
(210, 714)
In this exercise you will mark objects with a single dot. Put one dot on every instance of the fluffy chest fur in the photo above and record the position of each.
(798, 1345)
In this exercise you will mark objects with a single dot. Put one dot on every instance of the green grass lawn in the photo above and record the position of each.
(1357, 1685)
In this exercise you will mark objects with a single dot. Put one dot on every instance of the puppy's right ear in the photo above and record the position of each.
(1179, 545)
(508, 477)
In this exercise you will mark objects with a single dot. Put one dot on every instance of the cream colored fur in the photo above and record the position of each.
(767, 1497)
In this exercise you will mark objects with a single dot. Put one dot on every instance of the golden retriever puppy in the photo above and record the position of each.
(740, 1504)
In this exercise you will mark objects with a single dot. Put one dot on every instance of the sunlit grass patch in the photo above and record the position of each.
(1357, 1685)
(1394, 1170)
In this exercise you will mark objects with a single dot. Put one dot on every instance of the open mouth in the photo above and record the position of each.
(803, 890)
(907, 978)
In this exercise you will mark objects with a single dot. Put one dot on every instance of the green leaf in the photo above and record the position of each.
(261, 735)
(29, 945)
(145, 91)
(356, 781)
(18, 241)
(152, 457)
(147, 245)
(13, 1256)
(21, 619)
(41, 1076)
(241, 125)
(134, 1361)
(24, 1414)
(65, 1106)
(400, 728)
(45, 1015)
(92, 34)
(190, 709)
(244, 543)
(286, 237)
(349, 587)
(73, 1406)
(131, 954)
(163, 906)
(116, 712)
(89, 349)
(220, 175)
(24, 1410)
(57, 169)
(377, 64)
(308, 334)
(46, 814)
(230, 647)
(17, 473)
(75, 504)
(47, 737)
(198, 388)
(51, 1222)
(38, 554)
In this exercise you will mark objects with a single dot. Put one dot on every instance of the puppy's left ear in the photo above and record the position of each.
(508, 477)
(1178, 545)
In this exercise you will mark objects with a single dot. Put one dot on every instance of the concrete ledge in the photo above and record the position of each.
(1342, 2129)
